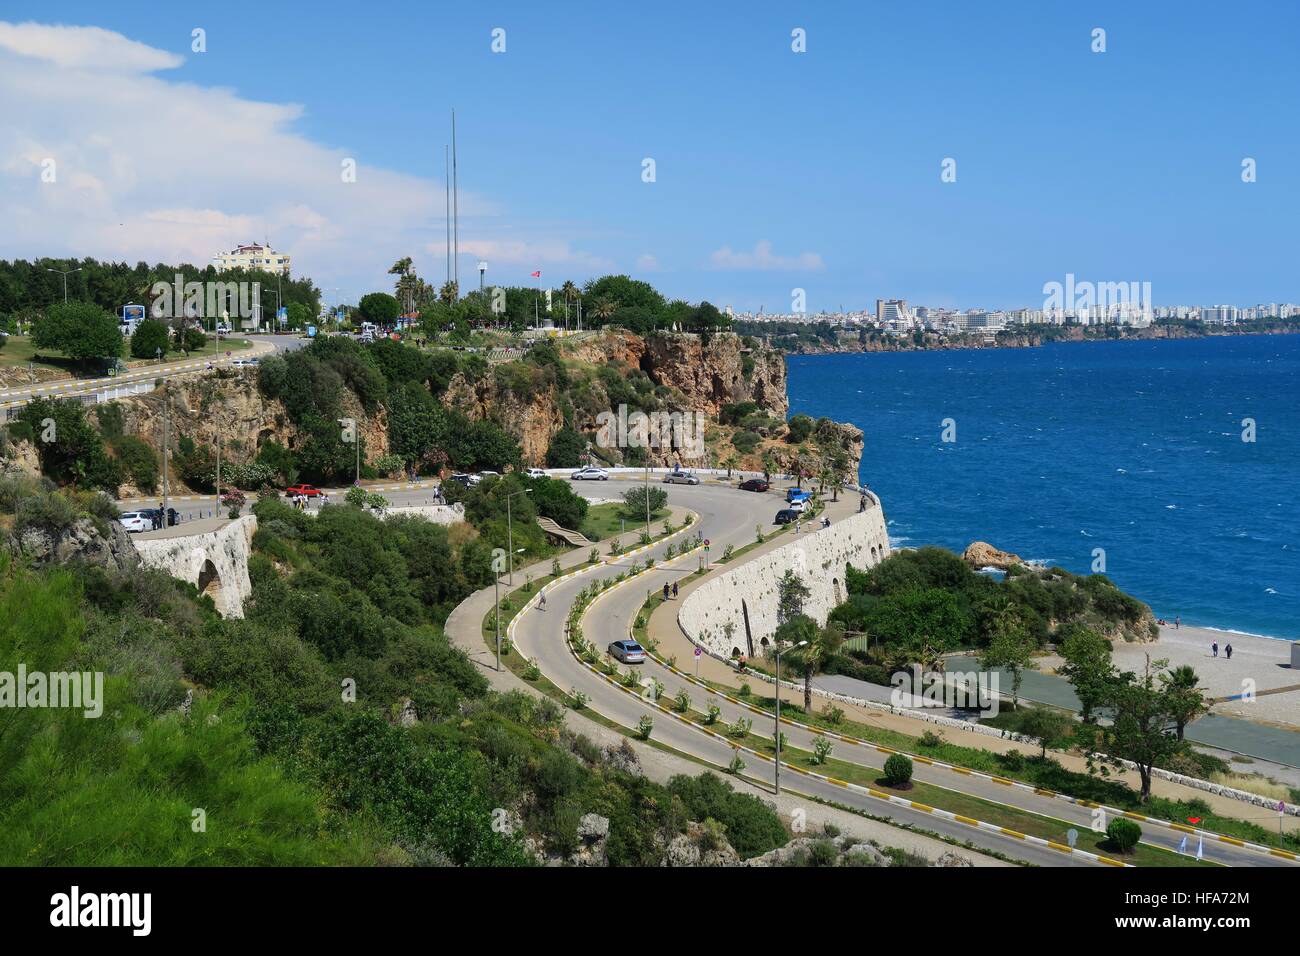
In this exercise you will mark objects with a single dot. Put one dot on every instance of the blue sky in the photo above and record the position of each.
(775, 170)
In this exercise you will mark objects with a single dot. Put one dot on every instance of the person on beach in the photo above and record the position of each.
(1178, 623)
(1228, 651)
(1214, 648)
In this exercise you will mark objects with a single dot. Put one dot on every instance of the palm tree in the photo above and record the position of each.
(569, 291)
(729, 463)
(812, 658)
(604, 309)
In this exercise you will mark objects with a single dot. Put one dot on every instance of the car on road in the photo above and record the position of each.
(785, 516)
(306, 491)
(483, 476)
(135, 521)
(244, 363)
(754, 484)
(461, 478)
(536, 472)
(629, 652)
(681, 478)
(590, 473)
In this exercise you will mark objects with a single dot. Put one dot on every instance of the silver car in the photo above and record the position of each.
(681, 478)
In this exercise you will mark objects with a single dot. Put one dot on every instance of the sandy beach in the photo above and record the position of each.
(1261, 659)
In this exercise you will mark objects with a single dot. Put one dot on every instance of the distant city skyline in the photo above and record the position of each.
(976, 153)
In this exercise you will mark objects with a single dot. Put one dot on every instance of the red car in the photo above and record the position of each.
(754, 484)
(307, 491)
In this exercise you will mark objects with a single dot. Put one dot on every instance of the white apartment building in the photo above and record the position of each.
(255, 256)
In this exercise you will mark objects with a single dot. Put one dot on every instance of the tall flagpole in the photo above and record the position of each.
(455, 207)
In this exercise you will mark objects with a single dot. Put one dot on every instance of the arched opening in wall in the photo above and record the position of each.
(873, 554)
(763, 643)
(838, 599)
(210, 582)
(735, 653)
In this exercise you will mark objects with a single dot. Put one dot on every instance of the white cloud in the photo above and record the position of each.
(85, 47)
(647, 263)
(764, 260)
(154, 169)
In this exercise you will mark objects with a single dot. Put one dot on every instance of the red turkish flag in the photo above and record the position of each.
(537, 274)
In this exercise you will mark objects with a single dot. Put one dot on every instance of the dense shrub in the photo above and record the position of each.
(898, 770)
(1123, 834)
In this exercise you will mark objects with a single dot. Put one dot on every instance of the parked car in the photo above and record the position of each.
(786, 515)
(135, 521)
(796, 492)
(629, 652)
(536, 472)
(482, 475)
(461, 478)
(307, 491)
(590, 473)
(244, 363)
(681, 478)
(801, 505)
(754, 484)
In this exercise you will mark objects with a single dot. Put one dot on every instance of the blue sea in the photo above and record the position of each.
(1134, 447)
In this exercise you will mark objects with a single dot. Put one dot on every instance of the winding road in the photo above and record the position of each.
(728, 516)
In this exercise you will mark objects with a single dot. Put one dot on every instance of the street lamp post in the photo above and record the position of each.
(777, 733)
(510, 536)
(496, 618)
(65, 279)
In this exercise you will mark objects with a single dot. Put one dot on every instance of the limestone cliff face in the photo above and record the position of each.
(531, 420)
(230, 406)
(709, 374)
(718, 372)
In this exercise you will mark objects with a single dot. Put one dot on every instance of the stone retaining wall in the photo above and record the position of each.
(216, 562)
(743, 601)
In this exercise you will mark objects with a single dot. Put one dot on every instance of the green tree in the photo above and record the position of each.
(1044, 725)
(149, 340)
(80, 330)
(379, 307)
(1011, 649)
(566, 449)
(791, 595)
(1184, 697)
(634, 501)
(1088, 667)
(1139, 730)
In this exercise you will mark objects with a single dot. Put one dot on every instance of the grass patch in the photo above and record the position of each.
(610, 520)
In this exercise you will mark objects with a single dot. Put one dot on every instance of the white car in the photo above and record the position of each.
(135, 521)
(800, 505)
(244, 363)
(590, 473)
(536, 472)
(482, 475)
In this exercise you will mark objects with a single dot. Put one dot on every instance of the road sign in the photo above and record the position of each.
(698, 652)
(1072, 837)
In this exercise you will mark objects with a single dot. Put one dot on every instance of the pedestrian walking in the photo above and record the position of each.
(541, 600)
(666, 590)
(674, 590)
(1178, 622)
(1214, 648)
(862, 504)
(1228, 651)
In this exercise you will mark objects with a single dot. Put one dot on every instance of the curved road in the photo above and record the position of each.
(728, 517)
